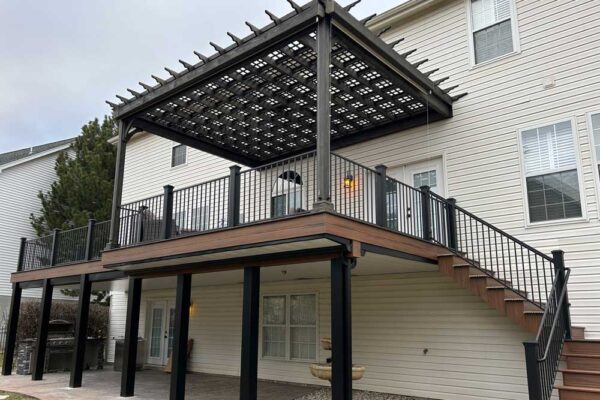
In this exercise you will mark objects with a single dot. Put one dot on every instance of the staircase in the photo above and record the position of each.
(581, 377)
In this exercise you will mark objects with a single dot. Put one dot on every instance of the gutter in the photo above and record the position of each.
(400, 12)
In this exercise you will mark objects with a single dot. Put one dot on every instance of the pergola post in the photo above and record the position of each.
(113, 241)
(11, 328)
(134, 296)
(85, 291)
(323, 201)
(250, 317)
(180, 336)
(37, 372)
(341, 329)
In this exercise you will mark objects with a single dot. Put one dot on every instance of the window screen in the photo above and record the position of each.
(492, 29)
(551, 172)
(596, 136)
(178, 155)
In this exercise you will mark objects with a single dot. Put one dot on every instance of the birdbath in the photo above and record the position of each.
(323, 370)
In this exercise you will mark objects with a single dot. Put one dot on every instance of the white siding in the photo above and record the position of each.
(19, 187)
(472, 351)
(480, 143)
(117, 315)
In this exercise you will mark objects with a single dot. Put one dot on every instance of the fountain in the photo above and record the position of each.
(323, 370)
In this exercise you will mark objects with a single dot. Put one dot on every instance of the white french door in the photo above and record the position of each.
(430, 173)
(161, 318)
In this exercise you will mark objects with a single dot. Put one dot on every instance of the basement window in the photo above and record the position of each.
(551, 172)
(289, 327)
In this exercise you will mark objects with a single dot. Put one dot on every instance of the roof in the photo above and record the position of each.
(401, 11)
(31, 152)
(255, 101)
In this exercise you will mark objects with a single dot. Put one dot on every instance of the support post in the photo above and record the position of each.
(233, 201)
(324, 108)
(37, 372)
(451, 224)
(426, 212)
(250, 317)
(167, 226)
(11, 330)
(139, 224)
(533, 370)
(132, 324)
(558, 257)
(89, 245)
(380, 196)
(341, 329)
(54, 250)
(180, 336)
(21, 260)
(85, 291)
(115, 215)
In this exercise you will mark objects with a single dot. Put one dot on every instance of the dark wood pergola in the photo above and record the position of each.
(315, 78)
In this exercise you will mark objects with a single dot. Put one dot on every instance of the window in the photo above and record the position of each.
(286, 197)
(595, 126)
(492, 29)
(551, 177)
(290, 327)
(178, 155)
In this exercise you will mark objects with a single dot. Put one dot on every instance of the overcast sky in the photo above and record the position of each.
(61, 59)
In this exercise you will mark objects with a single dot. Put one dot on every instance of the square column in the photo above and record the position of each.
(11, 334)
(132, 324)
(250, 317)
(180, 336)
(113, 241)
(83, 311)
(42, 333)
(341, 329)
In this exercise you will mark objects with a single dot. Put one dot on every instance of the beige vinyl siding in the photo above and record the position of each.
(480, 143)
(472, 351)
(117, 315)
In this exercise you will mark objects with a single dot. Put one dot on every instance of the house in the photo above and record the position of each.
(23, 174)
(325, 177)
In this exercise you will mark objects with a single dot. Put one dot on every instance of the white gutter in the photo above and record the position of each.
(400, 12)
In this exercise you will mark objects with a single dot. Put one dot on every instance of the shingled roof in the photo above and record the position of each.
(17, 155)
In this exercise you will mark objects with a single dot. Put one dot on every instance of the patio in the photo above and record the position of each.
(154, 385)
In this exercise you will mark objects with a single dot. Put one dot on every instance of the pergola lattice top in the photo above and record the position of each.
(255, 101)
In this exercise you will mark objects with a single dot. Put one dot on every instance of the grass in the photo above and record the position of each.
(15, 396)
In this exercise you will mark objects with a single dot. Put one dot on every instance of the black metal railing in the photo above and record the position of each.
(141, 220)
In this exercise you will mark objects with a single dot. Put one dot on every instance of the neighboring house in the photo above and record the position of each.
(23, 174)
(520, 151)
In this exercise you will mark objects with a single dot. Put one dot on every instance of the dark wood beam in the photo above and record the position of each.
(132, 325)
(250, 318)
(37, 371)
(180, 336)
(83, 311)
(341, 329)
(11, 330)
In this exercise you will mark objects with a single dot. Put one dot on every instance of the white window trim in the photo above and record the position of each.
(287, 357)
(515, 36)
(595, 160)
(187, 155)
(524, 176)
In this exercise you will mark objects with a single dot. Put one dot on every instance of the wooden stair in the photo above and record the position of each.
(496, 292)
(581, 377)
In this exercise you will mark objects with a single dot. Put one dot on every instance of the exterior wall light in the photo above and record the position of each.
(349, 181)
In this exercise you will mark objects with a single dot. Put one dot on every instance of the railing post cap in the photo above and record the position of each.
(451, 200)
(168, 187)
(560, 252)
(425, 188)
(235, 167)
(92, 220)
(380, 166)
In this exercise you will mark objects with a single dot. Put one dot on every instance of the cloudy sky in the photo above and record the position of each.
(61, 59)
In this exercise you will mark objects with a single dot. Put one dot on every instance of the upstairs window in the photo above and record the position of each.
(595, 122)
(178, 155)
(492, 29)
(551, 176)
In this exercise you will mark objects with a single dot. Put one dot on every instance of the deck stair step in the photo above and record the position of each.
(578, 393)
(581, 377)
(577, 377)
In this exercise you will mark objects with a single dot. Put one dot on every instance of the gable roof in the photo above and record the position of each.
(13, 157)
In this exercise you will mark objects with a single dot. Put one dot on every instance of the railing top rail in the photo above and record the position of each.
(547, 310)
(124, 206)
(306, 154)
(38, 238)
(72, 229)
(201, 183)
(354, 162)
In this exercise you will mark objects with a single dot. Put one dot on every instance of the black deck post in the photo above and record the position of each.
(132, 324)
(534, 383)
(89, 245)
(54, 250)
(180, 336)
(451, 224)
(323, 107)
(21, 261)
(426, 212)
(11, 330)
(341, 329)
(37, 372)
(250, 317)
(167, 225)
(559, 270)
(380, 196)
(115, 216)
(233, 200)
(85, 291)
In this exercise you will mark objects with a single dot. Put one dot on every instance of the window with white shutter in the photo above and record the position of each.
(289, 327)
(595, 126)
(492, 29)
(550, 164)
